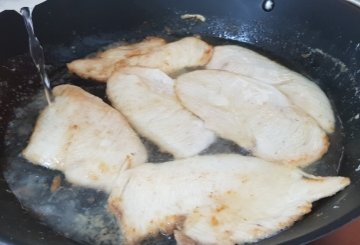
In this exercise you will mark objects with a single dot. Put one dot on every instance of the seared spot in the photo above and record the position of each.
(313, 179)
(170, 223)
(302, 210)
(230, 192)
(103, 167)
(207, 55)
(326, 143)
(214, 221)
(93, 177)
(221, 208)
(114, 207)
(182, 239)
(56, 182)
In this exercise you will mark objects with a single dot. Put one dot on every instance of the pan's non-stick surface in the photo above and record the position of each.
(306, 36)
(81, 213)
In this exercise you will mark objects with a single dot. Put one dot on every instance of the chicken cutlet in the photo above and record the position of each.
(301, 91)
(173, 57)
(146, 97)
(86, 139)
(101, 66)
(218, 199)
(311, 99)
(254, 115)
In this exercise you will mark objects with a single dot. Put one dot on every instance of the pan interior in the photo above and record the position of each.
(80, 213)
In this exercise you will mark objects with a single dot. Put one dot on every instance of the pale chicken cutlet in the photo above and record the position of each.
(101, 66)
(146, 97)
(304, 93)
(86, 139)
(254, 115)
(188, 52)
(219, 199)
(152, 52)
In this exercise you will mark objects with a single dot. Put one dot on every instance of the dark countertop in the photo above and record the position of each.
(347, 235)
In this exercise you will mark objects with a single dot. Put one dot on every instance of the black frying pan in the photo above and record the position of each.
(320, 39)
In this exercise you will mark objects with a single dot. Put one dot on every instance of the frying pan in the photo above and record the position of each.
(320, 39)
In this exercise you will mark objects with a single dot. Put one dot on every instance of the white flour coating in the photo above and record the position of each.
(193, 16)
(337, 62)
(18, 4)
